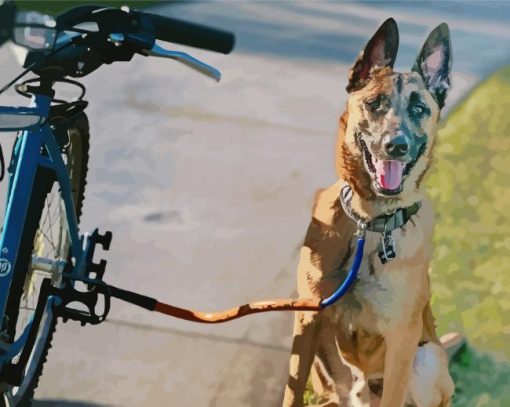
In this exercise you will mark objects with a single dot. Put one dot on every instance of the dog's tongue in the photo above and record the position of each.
(389, 173)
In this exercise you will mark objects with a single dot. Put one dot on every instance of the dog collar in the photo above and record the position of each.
(382, 223)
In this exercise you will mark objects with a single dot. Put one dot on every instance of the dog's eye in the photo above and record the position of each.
(418, 109)
(374, 104)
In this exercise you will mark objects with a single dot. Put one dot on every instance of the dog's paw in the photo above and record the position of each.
(452, 342)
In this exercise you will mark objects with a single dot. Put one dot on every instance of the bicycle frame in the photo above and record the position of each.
(27, 158)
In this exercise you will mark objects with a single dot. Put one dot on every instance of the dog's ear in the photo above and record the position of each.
(434, 63)
(380, 51)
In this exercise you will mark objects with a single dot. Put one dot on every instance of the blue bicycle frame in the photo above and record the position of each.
(36, 137)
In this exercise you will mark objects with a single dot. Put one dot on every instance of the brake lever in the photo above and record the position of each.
(186, 59)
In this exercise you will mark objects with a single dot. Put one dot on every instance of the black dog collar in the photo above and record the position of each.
(382, 223)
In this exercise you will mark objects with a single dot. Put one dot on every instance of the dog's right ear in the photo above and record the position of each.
(434, 63)
(380, 51)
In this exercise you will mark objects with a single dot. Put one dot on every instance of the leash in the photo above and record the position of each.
(383, 224)
(287, 304)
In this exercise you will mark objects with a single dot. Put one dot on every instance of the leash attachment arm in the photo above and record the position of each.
(286, 304)
(152, 304)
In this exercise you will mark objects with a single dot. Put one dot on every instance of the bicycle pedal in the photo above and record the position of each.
(94, 239)
(98, 269)
(83, 317)
(87, 299)
(104, 240)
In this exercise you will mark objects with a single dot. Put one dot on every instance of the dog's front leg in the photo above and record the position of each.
(401, 346)
(304, 347)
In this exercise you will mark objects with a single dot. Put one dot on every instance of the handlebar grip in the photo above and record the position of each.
(192, 34)
(7, 16)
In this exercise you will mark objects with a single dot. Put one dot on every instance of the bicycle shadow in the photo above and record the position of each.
(65, 403)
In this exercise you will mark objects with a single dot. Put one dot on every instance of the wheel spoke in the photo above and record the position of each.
(50, 204)
(50, 241)
(28, 308)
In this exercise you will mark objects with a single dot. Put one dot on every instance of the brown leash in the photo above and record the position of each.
(151, 304)
(286, 304)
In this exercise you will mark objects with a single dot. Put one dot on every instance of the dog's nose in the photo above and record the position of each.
(397, 147)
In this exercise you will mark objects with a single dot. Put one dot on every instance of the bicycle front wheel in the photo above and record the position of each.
(44, 240)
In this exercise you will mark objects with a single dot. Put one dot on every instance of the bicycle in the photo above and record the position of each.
(43, 257)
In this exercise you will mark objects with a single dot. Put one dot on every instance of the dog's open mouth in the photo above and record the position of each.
(387, 175)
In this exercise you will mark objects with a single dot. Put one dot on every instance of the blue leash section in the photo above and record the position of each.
(351, 277)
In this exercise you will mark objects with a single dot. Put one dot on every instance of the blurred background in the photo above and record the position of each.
(208, 191)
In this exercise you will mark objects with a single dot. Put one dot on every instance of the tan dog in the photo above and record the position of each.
(377, 345)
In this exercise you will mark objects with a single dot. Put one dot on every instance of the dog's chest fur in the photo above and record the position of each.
(385, 295)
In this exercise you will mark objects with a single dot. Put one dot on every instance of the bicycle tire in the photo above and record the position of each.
(76, 153)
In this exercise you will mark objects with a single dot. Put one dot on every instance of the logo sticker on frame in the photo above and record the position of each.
(5, 267)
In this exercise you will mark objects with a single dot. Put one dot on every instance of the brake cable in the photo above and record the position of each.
(287, 304)
(34, 64)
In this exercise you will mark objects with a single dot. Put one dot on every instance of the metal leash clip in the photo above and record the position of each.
(388, 245)
(362, 229)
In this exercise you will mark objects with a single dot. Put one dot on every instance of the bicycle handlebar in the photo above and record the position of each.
(192, 34)
(166, 29)
(120, 34)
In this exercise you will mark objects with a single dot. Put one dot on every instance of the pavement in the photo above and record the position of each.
(208, 190)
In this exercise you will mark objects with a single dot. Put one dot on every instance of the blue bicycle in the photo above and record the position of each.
(46, 266)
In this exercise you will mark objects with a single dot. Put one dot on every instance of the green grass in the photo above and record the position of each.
(56, 7)
(480, 380)
(470, 186)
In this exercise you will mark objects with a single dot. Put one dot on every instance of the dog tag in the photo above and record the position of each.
(388, 251)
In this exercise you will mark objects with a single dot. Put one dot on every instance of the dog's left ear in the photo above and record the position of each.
(434, 63)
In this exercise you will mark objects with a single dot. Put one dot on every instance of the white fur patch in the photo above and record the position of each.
(430, 382)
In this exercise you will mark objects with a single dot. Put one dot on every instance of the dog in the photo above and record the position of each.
(377, 346)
